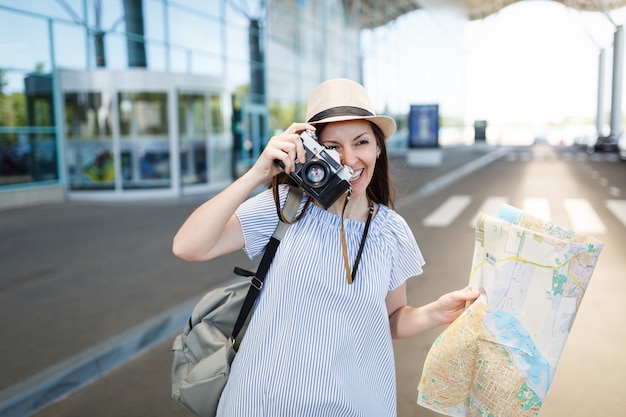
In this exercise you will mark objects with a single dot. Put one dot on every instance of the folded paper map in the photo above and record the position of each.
(499, 357)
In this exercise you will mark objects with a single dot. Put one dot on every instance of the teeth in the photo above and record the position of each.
(356, 175)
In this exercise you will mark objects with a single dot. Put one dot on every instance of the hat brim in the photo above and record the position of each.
(386, 124)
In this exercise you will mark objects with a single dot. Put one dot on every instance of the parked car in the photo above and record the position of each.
(621, 147)
(602, 144)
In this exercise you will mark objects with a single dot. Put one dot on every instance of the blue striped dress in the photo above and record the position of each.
(317, 346)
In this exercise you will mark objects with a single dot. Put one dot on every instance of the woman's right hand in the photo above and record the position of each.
(213, 229)
(286, 147)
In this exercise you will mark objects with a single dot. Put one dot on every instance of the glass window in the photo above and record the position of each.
(27, 157)
(91, 164)
(192, 115)
(145, 157)
(217, 115)
(220, 142)
(28, 151)
(115, 51)
(39, 106)
(87, 115)
(12, 102)
(49, 8)
(153, 20)
(179, 60)
(207, 64)
(90, 157)
(70, 46)
(209, 7)
(143, 114)
(282, 114)
(24, 42)
(192, 121)
(195, 31)
(157, 57)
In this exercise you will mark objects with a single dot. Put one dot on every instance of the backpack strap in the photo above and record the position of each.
(289, 211)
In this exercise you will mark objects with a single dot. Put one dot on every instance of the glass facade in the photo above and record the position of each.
(179, 100)
(193, 129)
(28, 151)
(88, 130)
(145, 150)
(203, 160)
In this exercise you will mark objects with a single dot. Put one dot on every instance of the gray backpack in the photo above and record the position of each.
(207, 345)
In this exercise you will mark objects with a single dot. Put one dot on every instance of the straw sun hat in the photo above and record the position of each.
(341, 99)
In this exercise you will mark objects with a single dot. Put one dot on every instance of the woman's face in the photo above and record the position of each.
(357, 146)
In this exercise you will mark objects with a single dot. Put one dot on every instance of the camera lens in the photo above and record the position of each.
(315, 174)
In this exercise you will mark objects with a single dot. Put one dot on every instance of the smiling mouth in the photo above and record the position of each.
(356, 175)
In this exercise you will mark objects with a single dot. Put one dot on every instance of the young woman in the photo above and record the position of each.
(319, 343)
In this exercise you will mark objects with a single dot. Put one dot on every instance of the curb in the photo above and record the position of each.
(59, 381)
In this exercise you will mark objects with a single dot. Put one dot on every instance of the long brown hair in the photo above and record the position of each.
(380, 189)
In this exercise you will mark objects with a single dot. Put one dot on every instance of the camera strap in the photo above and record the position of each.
(344, 245)
(279, 210)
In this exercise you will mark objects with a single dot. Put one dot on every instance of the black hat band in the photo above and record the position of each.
(340, 111)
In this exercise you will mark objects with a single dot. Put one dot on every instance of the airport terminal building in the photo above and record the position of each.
(136, 99)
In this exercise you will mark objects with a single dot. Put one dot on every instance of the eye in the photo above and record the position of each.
(362, 142)
(331, 147)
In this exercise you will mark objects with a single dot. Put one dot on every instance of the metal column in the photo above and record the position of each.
(618, 78)
(600, 105)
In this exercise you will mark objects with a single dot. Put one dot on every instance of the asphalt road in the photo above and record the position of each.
(588, 380)
(76, 275)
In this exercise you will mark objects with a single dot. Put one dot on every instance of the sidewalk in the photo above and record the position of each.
(91, 294)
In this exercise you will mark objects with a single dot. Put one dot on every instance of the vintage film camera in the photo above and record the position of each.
(322, 175)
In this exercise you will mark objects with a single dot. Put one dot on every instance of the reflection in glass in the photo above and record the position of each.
(28, 149)
(192, 122)
(220, 142)
(143, 114)
(90, 158)
(27, 158)
(145, 144)
(87, 116)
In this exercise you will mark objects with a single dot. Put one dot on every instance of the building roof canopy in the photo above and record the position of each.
(374, 13)
(478, 9)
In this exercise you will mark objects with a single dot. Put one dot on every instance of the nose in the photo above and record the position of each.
(348, 157)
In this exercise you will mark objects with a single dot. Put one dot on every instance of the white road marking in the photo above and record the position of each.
(448, 211)
(538, 207)
(618, 208)
(583, 217)
(490, 206)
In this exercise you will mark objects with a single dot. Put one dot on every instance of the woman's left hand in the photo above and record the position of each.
(406, 321)
(450, 306)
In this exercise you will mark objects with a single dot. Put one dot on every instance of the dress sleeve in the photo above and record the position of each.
(258, 219)
(407, 259)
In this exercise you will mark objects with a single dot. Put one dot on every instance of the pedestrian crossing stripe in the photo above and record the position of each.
(490, 205)
(583, 217)
(550, 156)
(448, 211)
(538, 207)
(618, 208)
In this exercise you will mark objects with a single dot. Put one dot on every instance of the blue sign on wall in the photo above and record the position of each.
(424, 126)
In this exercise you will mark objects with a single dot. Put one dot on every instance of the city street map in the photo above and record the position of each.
(499, 357)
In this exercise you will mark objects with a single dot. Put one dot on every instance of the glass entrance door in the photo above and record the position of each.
(145, 148)
(192, 130)
(145, 134)
(90, 159)
(204, 144)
